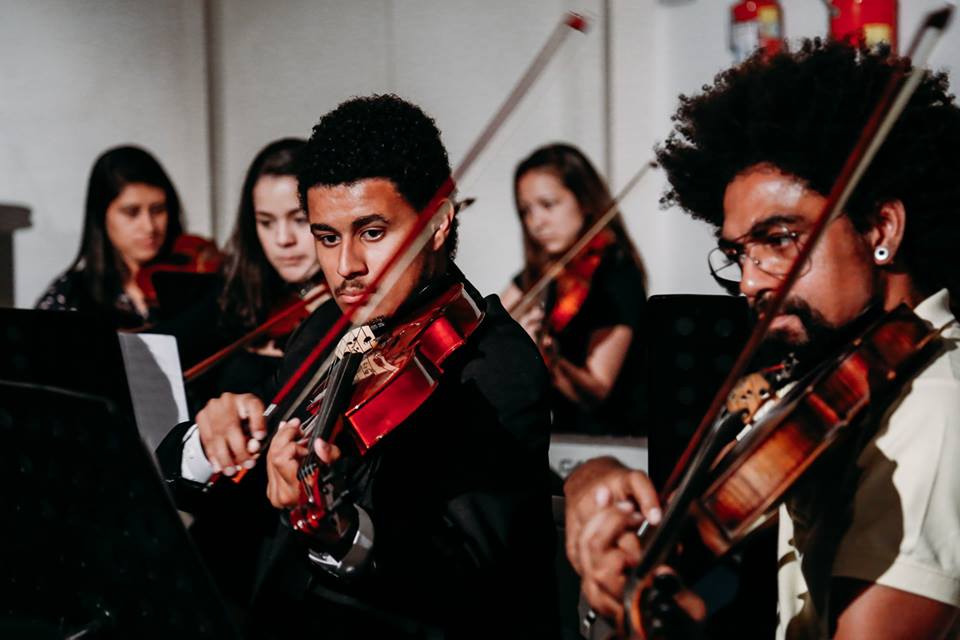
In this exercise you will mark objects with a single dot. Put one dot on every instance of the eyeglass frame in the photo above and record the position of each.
(744, 251)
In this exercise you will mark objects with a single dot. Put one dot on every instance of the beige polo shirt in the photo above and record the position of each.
(903, 530)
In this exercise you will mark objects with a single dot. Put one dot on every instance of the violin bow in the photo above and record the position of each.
(557, 266)
(684, 485)
(417, 237)
(319, 295)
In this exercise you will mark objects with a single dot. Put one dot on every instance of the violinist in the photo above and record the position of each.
(271, 252)
(590, 325)
(132, 219)
(868, 540)
(271, 263)
(448, 530)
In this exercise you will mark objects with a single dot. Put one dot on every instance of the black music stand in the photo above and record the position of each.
(92, 547)
(697, 339)
(65, 349)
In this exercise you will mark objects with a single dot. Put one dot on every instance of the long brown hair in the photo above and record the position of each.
(579, 176)
(103, 269)
(252, 284)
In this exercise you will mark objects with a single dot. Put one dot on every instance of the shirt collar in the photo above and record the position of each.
(936, 309)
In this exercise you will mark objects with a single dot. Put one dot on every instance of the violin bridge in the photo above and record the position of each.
(749, 395)
(359, 340)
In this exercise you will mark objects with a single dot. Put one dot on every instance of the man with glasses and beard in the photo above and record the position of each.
(869, 545)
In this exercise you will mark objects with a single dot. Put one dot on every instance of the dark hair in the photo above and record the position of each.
(102, 268)
(802, 112)
(379, 136)
(579, 176)
(252, 284)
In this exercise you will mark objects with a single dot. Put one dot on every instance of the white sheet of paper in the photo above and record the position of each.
(156, 384)
(568, 451)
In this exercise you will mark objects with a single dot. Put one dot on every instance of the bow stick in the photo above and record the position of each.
(556, 267)
(417, 237)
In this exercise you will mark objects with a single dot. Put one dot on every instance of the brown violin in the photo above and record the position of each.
(573, 284)
(732, 476)
(774, 441)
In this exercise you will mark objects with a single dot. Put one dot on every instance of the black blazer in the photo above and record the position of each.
(459, 497)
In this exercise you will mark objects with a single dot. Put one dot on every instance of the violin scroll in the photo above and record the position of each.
(324, 500)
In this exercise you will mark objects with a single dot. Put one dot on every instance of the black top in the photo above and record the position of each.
(459, 499)
(616, 297)
(69, 293)
(202, 329)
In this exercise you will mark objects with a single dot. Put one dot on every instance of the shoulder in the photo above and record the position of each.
(926, 415)
(620, 294)
(619, 271)
(62, 293)
(905, 530)
(305, 336)
(503, 345)
(504, 364)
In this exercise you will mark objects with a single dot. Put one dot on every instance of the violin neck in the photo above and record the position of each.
(339, 389)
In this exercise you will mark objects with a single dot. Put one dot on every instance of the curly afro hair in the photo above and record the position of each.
(802, 112)
(378, 136)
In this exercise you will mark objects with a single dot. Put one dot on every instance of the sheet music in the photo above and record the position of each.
(568, 451)
(156, 384)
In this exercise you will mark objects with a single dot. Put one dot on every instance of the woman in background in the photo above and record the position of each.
(589, 324)
(132, 220)
(271, 262)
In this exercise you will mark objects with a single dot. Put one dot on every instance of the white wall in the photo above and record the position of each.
(77, 77)
(663, 49)
(279, 66)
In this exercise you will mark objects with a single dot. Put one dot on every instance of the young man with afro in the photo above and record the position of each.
(869, 541)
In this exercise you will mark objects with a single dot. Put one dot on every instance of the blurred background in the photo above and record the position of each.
(204, 84)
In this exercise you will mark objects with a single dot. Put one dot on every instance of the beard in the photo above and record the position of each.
(819, 338)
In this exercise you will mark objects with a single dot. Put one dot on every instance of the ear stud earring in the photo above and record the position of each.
(880, 254)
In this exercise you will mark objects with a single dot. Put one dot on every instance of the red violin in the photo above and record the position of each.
(377, 383)
(285, 316)
(573, 283)
(189, 254)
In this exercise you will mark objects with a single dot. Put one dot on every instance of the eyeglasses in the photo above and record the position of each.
(772, 250)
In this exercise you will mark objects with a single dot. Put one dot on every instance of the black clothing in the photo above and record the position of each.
(204, 328)
(458, 495)
(616, 297)
(230, 529)
(69, 293)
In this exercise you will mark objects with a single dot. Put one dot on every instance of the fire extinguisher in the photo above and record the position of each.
(868, 22)
(755, 24)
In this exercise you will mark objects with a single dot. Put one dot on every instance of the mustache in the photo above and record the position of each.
(350, 287)
(811, 319)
